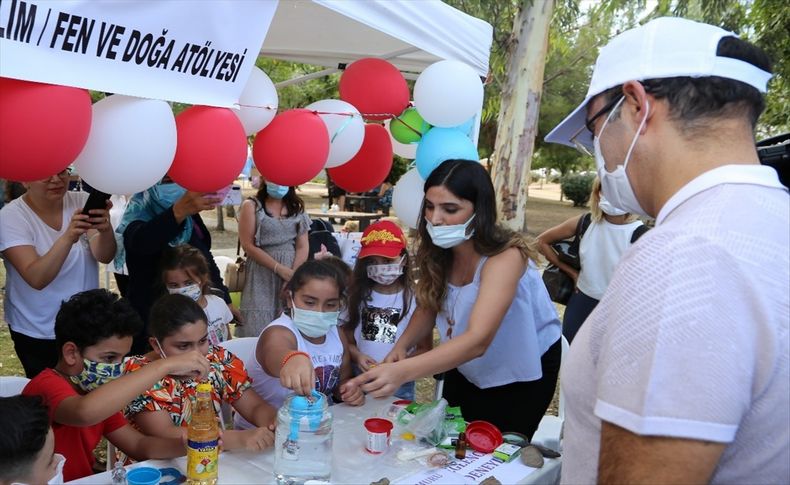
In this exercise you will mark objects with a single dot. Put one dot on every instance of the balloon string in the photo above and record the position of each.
(350, 114)
(415, 130)
(342, 127)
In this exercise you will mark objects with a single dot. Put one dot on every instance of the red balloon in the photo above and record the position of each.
(292, 149)
(370, 166)
(211, 151)
(374, 86)
(43, 128)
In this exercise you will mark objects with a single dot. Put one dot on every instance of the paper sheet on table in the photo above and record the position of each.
(475, 468)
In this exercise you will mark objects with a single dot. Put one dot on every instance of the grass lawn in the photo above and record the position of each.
(542, 213)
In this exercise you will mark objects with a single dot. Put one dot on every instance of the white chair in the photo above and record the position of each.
(244, 349)
(549, 432)
(12, 385)
(222, 262)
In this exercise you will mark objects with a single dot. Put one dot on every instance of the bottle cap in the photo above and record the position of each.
(204, 387)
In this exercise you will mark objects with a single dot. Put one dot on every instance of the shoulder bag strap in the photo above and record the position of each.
(638, 232)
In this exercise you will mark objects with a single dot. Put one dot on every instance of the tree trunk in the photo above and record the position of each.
(518, 117)
(220, 219)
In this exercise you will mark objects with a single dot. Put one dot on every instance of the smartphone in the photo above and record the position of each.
(97, 200)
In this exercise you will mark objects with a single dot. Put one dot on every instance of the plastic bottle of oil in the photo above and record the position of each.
(203, 440)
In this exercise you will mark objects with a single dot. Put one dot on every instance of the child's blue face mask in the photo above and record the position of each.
(95, 374)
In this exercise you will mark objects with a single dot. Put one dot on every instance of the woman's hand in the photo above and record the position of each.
(298, 375)
(380, 381)
(100, 218)
(285, 273)
(395, 355)
(192, 203)
(78, 225)
(351, 394)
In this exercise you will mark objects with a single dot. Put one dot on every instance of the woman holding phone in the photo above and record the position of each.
(51, 251)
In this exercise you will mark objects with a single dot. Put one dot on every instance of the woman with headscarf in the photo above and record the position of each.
(164, 215)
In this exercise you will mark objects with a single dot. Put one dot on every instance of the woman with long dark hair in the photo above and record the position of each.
(500, 335)
(273, 232)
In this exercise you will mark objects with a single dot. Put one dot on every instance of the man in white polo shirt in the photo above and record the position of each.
(682, 374)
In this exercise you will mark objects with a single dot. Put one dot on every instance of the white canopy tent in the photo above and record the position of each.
(410, 34)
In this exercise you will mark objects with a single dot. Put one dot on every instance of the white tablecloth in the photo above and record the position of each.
(351, 463)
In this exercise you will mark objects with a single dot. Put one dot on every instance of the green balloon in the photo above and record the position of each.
(409, 126)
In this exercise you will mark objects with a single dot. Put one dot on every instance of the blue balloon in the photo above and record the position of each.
(467, 127)
(441, 144)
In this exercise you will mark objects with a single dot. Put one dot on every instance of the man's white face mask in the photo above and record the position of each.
(615, 184)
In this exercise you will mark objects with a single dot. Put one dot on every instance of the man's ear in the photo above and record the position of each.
(71, 353)
(153, 343)
(637, 103)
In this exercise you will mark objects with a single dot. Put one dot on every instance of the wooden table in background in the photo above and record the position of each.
(364, 218)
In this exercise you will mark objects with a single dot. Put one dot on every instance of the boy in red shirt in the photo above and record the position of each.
(85, 392)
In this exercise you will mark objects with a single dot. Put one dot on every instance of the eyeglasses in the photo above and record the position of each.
(589, 125)
(63, 174)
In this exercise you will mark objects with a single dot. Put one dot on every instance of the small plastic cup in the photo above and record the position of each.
(144, 475)
(379, 431)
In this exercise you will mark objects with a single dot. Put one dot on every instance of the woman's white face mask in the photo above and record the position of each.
(449, 236)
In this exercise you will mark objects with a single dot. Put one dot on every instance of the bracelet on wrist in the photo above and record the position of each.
(291, 354)
(275, 268)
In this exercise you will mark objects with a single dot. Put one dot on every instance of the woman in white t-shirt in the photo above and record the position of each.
(607, 233)
(381, 300)
(51, 251)
(185, 272)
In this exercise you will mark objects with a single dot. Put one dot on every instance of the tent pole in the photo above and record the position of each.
(327, 72)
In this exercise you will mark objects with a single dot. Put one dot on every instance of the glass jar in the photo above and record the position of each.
(303, 440)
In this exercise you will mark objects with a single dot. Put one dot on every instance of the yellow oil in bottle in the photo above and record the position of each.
(203, 440)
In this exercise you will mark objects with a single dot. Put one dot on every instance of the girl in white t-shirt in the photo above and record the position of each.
(381, 300)
(185, 271)
(302, 349)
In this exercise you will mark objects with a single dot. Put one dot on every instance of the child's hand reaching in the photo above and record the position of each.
(192, 364)
(258, 439)
(365, 362)
(297, 374)
(352, 394)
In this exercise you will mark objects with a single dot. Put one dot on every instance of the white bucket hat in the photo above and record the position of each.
(662, 48)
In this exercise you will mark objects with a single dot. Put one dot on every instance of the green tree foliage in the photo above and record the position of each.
(576, 36)
(577, 187)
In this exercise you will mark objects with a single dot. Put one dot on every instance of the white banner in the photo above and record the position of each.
(190, 51)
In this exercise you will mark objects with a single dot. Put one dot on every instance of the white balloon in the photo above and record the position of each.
(346, 133)
(403, 150)
(258, 102)
(407, 198)
(448, 93)
(131, 144)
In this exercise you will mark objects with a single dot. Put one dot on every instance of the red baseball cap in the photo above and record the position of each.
(383, 238)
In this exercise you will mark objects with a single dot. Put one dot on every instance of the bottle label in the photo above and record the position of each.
(202, 458)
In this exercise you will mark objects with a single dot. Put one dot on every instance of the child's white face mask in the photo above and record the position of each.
(192, 291)
(385, 274)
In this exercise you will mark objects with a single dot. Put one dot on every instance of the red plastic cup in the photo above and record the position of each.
(379, 431)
